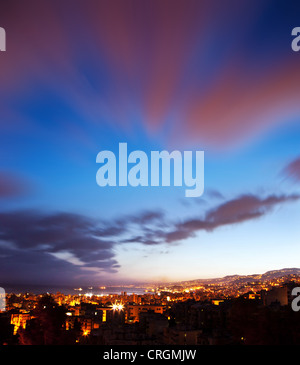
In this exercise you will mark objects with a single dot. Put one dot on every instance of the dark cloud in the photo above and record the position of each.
(292, 170)
(238, 210)
(62, 248)
(23, 267)
(245, 207)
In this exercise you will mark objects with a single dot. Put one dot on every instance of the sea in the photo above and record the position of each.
(95, 290)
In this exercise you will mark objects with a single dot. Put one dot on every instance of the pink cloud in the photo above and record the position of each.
(151, 53)
(239, 106)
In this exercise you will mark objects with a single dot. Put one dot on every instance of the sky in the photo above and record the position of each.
(81, 77)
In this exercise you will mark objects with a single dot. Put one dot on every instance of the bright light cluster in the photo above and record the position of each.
(118, 307)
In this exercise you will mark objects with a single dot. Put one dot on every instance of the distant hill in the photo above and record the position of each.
(239, 279)
(278, 273)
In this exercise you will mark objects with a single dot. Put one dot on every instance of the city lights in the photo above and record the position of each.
(90, 318)
(118, 307)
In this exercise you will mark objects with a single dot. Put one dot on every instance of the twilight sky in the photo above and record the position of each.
(82, 76)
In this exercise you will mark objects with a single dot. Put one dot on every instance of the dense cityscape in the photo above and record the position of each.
(233, 310)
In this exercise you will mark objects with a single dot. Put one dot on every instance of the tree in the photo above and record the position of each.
(48, 325)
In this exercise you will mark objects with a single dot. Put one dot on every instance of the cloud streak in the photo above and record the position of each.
(232, 212)
(292, 170)
(65, 240)
(157, 61)
(41, 248)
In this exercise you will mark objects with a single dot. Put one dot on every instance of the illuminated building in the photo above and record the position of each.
(133, 311)
(19, 320)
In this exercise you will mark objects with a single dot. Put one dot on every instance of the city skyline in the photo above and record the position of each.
(77, 79)
(195, 313)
